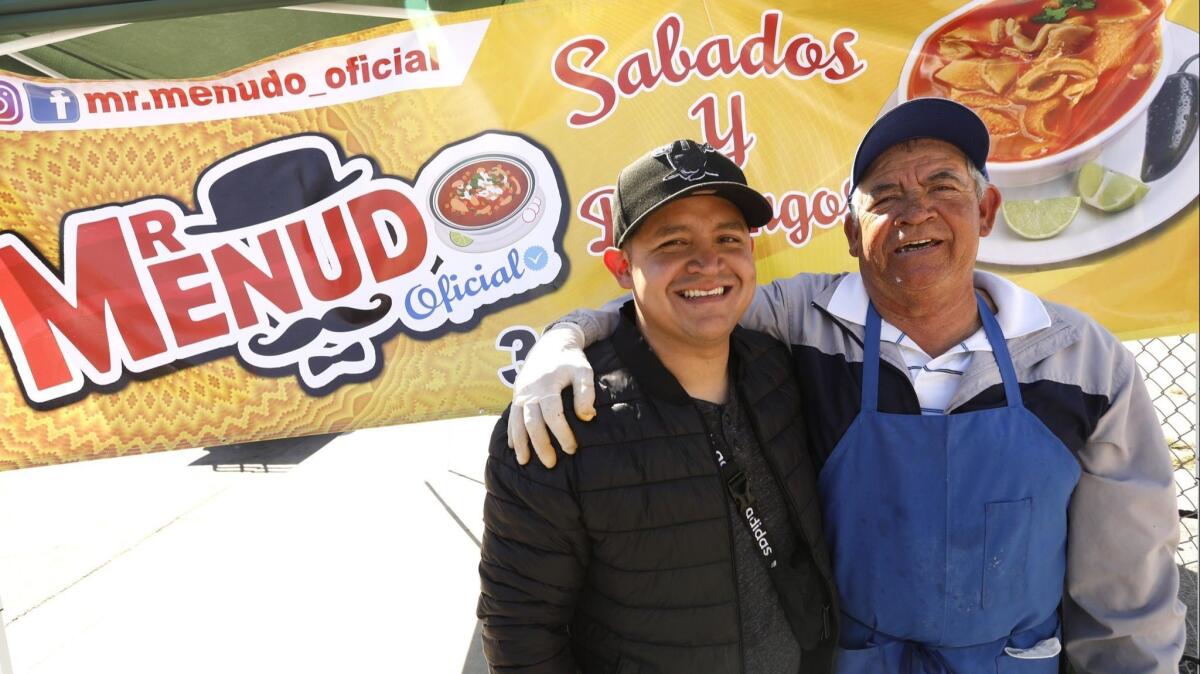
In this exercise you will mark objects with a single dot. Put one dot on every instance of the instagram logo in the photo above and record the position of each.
(10, 104)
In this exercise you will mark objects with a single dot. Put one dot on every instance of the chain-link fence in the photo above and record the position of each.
(1169, 364)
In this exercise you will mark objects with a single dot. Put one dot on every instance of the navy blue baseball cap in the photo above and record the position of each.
(938, 118)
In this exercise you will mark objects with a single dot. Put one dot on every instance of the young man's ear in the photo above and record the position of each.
(618, 265)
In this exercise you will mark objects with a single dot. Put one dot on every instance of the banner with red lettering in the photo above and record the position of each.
(373, 229)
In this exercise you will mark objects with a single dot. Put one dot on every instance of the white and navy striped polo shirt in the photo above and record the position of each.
(1018, 311)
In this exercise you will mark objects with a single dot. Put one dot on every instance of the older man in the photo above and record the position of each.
(992, 463)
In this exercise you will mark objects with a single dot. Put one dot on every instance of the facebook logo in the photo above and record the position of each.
(52, 105)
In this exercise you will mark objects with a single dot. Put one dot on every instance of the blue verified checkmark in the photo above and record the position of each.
(536, 257)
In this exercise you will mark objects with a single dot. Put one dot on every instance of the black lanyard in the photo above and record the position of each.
(737, 485)
(789, 586)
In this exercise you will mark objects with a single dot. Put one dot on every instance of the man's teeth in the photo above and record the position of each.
(704, 293)
(916, 245)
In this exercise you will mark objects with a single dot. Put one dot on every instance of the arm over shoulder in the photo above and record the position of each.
(779, 307)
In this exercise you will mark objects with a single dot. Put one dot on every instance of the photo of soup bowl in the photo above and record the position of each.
(485, 202)
(1053, 94)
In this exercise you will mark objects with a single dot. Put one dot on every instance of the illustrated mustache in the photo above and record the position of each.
(306, 330)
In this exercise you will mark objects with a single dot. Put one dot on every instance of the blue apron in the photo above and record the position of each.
(948, 533)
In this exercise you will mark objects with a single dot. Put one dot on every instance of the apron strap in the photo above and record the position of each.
(1008, 374)
(870, 381)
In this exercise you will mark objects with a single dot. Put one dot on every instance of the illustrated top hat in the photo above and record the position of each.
(285, 179)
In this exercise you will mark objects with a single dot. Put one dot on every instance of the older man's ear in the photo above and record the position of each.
(989, 205)
(853, 234)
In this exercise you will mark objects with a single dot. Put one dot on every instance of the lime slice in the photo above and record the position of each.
(1087, 183)
(1040, 218)
(460, 240)
(1107, 190)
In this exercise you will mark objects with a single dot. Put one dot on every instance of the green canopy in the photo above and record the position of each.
(173, 39)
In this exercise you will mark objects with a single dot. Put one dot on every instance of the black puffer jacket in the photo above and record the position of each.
(620, 559)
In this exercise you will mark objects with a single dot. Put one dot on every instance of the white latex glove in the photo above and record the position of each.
(555, 362)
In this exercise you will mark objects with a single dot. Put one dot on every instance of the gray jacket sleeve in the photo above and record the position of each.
(1121, 611)
(532, 565)
(597, 323)
(778, 307)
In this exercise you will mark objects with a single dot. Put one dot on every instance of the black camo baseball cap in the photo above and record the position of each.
(681, 169)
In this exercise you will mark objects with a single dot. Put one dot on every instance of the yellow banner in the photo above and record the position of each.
(372, 229)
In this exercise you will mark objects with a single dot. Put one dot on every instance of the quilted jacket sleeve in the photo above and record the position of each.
(533, 563)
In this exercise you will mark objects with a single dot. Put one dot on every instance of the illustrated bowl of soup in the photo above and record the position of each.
(485, 202)
(1053, 84)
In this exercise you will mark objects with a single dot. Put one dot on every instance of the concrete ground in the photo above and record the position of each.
(352, 553)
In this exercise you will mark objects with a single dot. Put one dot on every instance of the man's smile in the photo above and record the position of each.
(914, 246)
(696, 294)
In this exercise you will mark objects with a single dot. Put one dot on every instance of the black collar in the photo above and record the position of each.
(654, 377)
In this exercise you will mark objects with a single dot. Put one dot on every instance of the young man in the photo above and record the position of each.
(687, 537)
